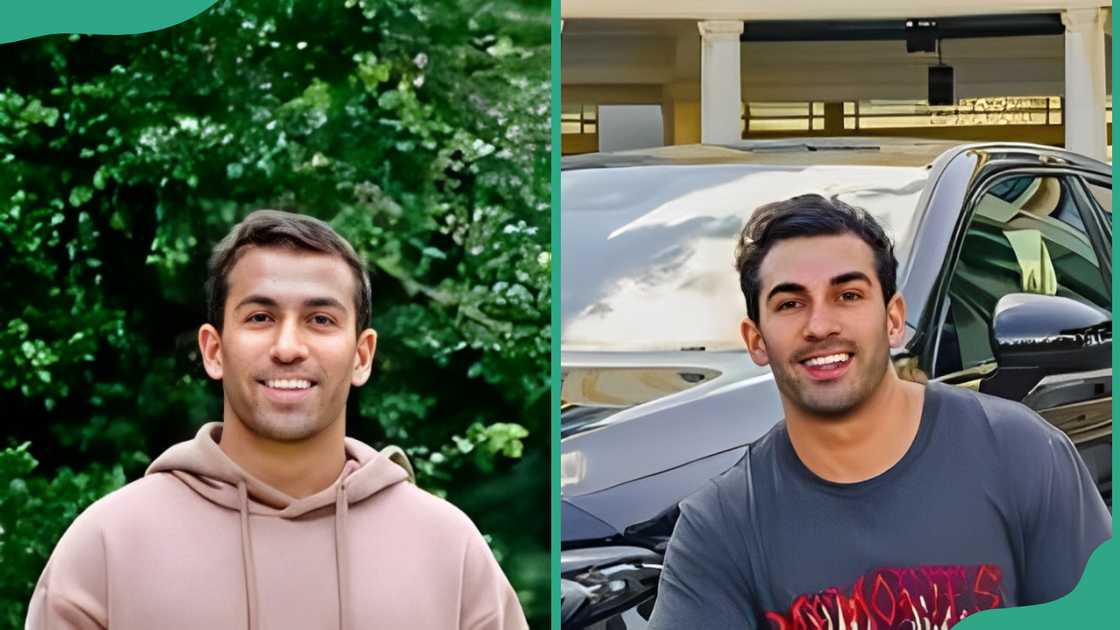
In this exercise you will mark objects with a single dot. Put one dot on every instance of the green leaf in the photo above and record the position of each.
(79, 195)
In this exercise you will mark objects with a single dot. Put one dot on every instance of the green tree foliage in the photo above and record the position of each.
(417, 129)
(34, 511)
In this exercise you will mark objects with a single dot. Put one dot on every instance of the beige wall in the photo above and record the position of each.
(598, 59)
(611, 94)
(681, 120)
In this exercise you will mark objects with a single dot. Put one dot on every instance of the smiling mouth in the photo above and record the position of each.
(287, 391)
(288, 384)
(827, 367)
(829, 360)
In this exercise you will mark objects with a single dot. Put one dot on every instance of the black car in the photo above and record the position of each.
(1004, 261)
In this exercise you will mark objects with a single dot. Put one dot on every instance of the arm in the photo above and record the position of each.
(703, 581)
(1068, 522)
(488, 601)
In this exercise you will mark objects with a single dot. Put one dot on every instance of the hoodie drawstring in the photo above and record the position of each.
(248, 564)
(341, 555)
(341, 508)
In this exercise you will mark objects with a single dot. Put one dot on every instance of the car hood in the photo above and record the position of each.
(731, 410)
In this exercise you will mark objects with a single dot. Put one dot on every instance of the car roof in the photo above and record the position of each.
(852, 151)
(815, 151)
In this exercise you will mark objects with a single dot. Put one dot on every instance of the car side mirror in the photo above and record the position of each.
(1050, 334)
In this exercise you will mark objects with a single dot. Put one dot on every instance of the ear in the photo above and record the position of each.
(752, 337)
(210, 345)
(896, 320)
(363, 357)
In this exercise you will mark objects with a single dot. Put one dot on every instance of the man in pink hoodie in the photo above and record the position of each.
(273, 518)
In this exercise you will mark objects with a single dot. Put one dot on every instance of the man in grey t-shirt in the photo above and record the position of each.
(876, 502)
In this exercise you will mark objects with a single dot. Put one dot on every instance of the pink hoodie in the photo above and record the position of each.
(199, 544)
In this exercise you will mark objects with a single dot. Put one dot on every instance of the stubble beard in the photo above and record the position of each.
(285, 428)
(281, 426)
(833, 400)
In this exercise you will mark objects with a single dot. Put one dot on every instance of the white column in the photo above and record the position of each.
(720, 93)
(1085, 88)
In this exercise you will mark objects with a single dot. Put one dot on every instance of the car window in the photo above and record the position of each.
(1026, 236)
(1102, 194)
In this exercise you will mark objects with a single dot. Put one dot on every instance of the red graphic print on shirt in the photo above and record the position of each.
(935, 597)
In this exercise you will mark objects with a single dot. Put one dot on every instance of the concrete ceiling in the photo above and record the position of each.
(805, 9)
(626, 26)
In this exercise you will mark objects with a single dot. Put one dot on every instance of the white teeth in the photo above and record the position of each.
(832, 358)
(289, 383)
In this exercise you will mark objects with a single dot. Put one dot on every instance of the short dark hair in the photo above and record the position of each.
(808, 215)
(276, 228)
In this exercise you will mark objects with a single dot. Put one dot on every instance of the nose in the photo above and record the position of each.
(288, 345)
(823, 322)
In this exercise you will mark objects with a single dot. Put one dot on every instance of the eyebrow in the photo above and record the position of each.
(793, 287)
(317, 302)
(851, 276)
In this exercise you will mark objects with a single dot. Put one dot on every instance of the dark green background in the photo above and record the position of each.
(418, 129)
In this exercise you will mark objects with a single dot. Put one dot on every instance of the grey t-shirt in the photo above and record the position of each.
(991, 506)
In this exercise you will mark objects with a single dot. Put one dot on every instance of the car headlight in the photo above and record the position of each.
(599, 582)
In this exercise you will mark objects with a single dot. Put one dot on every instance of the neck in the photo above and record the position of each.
(298, 469)
(864, 442)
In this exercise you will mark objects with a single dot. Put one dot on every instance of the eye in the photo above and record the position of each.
(788, 304)
(322, 320)
(258, 318)
(850, 296)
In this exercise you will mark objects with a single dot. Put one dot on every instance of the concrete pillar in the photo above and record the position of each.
(720, 92)
(1084, 114)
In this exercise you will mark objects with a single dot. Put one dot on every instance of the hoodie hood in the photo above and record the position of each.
(204, 467)
(201, 464)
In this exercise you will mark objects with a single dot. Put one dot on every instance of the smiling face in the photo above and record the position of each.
(287, 354)
(822, 327)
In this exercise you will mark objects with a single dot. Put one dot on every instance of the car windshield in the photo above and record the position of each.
(648, 258)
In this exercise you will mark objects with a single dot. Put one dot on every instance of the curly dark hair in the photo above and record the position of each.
(808, 215)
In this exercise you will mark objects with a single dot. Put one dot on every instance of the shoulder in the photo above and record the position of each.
(727, 499)
(82, 552)
(418, 518)
(1012, 427)
(710, 499)
(716, 516)
(148, 496)
(1027, 456)
(423, 512)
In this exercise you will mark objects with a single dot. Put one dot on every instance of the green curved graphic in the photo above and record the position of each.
(1089, 604)
(32, 18)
